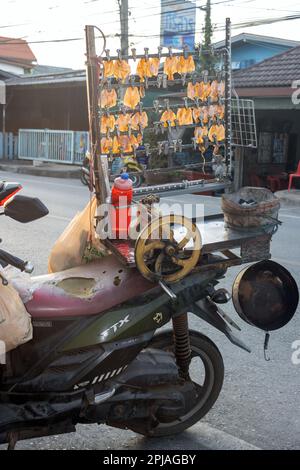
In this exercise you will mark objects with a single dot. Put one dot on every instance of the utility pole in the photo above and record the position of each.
(124, 14)
(208, 30)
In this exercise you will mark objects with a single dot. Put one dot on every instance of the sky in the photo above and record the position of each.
(48, 20)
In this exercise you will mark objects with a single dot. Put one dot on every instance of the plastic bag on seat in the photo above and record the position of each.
(15, 321)
(78, 244)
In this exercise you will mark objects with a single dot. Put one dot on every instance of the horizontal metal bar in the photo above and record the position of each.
(166, 54)
(103, 111)
(154, 82)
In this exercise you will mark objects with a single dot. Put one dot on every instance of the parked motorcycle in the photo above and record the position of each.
(95, 356)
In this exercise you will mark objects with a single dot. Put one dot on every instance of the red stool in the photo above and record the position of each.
(294, 175)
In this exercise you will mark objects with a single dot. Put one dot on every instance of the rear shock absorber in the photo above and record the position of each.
(182, 345)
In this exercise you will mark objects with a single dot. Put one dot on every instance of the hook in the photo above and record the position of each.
(266, 346)
(183, 79)
(185, 51)
(165, 81)
(156, 105)
(147, 150)
(133, 52)
(119, 52)
(205, 76)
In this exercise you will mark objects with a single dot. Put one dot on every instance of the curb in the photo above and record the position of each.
(37, 171)
(289, 199)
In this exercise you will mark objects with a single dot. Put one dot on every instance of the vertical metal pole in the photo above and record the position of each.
(93, 100)
(228, 97)
(124, 26)
(3, 130)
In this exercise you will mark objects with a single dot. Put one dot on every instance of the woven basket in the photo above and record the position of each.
(264, 214)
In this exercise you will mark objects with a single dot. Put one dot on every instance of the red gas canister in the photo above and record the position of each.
(121, 198)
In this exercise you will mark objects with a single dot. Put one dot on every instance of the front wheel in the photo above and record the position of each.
(207, 373)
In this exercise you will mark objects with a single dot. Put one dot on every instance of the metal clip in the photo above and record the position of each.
(179, 142)
(159, 51)
(146, 83)
(156, 127)
(146, 49)
(176, 122)
(129, 130)
(133, 52)
(186, 52)
(156, 105)
(194, 141)
(162, 127)
(169, 123)
(197, 101)
(119, 52)
(205, 76)
(160, 147)
(185, 100)
(141, 129)
(140, 106)
(117, 130)
(167, 104)
(183, 79)
(170, 51)
(147, 150)
(165, 81)
(175, 145)
(107, 53)
(159, 81)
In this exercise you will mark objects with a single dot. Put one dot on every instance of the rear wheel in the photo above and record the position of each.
(207, 374)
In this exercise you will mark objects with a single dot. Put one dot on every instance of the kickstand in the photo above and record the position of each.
(12, 440)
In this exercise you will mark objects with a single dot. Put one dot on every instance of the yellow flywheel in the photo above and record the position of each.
(168, 248)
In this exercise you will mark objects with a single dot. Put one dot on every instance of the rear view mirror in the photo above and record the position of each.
(25, 209)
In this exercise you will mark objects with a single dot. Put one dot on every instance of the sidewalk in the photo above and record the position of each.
(291, 198)
(52, 170)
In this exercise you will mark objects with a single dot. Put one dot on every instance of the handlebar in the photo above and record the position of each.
(18, 263)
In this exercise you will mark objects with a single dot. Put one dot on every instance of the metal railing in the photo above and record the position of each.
(8, 148)
(56, 146)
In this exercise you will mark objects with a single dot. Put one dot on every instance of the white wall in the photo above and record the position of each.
(11, 68)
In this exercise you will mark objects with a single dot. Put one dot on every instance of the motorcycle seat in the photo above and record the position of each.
(85, 290)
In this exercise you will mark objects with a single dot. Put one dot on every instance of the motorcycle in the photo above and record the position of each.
(96, 356)
(128, 164)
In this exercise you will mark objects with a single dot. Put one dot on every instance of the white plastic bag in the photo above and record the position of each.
(15, 321)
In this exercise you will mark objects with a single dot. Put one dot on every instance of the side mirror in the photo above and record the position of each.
(25, 209)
